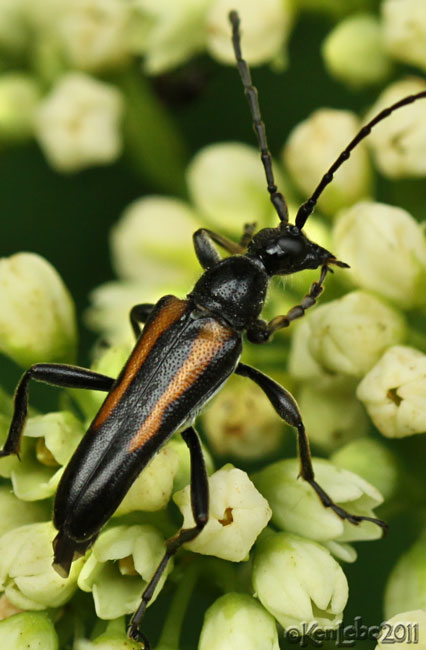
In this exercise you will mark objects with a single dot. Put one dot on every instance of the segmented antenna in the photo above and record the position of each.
(250, 91)
(307, 208)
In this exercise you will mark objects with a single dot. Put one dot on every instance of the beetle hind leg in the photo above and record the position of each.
(200, 507)
(286, 407)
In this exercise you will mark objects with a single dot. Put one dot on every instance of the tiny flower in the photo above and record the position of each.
(110, 309)
(169, 32)
(93, 33)
(371, 460)
(153, 488)
(301, 363)
(227, 185)
(299, 582)
(331, 413)
(36, 474)
(37, 321)
(19, 96)
(16, 513)
(404, 30)
(264, 33)
(107, 641)
(324, 135)
(354, 51)
(399, 142)
(152, 242)
(297, 508)
(28, 631)
(394, 392)
(406, 629)
(77, 124)
(26, 574)
(350, 334)
(386, 250)
(242, 422)
(122, 562)
(406, 586)
(238, 621)
(237, 514)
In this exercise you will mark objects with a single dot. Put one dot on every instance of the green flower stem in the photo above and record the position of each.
(170, 635)
(152, 140)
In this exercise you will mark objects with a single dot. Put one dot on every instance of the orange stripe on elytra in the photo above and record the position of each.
(169, 314)
(208, 342)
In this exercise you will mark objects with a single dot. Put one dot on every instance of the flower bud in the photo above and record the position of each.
(77, 124)
(325, 134)
(372, 461)
(404, 30)
(19, 95)
(297, 508)
(26, 574)
(16, 513)
(37, 321)
(238, 621)
(406, 629)
(227, 186)
(93, 34)
(237, 514)
(55, 437)
(398, 143)
(107, 641)
(264, 35)
(354, 51)
(153, 488)
(331, 413)
(386, 250)
(28, 631)
(299, 582)
(301, 364)
(168, 34)
(120, 566)
(350, 334)
(394, 392)
(242, 422)
(152, 242)
(406, 586)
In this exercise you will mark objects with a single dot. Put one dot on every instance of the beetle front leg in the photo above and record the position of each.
(57, 375)
(200, 510)
(139, 314)
(286, 407)
(207, 254)
(261, 331)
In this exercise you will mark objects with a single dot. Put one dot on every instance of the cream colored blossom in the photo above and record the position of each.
(399, 142)
(394, 392)
(313, 146)
(404, 29)
(78, 123)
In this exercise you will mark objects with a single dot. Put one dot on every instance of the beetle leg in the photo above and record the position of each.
(200, 509)
(261, 331)
(206, 252)
(57, 375)
(286, 407)
(139, 314)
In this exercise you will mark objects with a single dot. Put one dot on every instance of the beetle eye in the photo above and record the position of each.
(293, 246)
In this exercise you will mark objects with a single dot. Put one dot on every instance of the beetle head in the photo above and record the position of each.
(286, 250)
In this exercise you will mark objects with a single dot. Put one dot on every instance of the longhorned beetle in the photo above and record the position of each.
(186, 351)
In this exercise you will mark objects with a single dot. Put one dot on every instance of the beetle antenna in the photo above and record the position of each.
(250, 91)
(307, 208)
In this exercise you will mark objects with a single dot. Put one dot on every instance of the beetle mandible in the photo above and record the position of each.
(186, 351)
